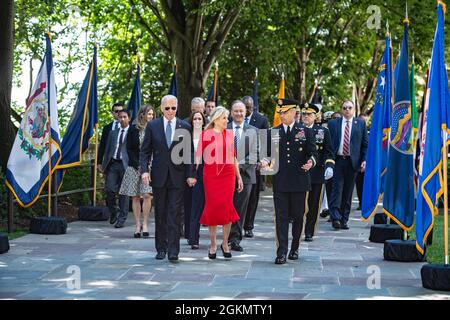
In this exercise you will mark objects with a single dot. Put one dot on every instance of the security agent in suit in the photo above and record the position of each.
(106, 130)
(296, 148)
(349, 140)
(246, 145)
(170, 171)
(323, 169)
(258, 121)
(115, 161)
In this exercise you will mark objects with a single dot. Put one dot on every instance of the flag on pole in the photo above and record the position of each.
(28, 165)
(136, 96)
(173, 88)
(276, 116)
(398, 199)
(255, 93)
(213, 94)
(379, 137)
(433, 137)
(83, 121)
(414, 114)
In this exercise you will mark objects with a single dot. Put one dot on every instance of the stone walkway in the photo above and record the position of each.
(113, 265)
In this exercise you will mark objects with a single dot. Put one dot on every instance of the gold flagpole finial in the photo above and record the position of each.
(256, 73)
(216, 65)
(406, 20)
(282, 75)
(387, 27)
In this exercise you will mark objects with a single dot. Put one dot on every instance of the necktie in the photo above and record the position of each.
(169, 133)
(247, 119)
(119, 149)
(237, 138)
(346, 146)
(115, 126)
(288, 131)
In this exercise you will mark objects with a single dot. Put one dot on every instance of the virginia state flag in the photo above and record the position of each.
(434, 138)
(136, 96)
(28, 165)
(83, 121)
(376, 158)
(213, 94)
(398, 199)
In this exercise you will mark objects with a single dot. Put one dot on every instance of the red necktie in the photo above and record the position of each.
(346, 146)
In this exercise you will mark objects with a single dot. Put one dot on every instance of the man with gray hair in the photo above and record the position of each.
(257, 120)
(168, 178)
(197, 105)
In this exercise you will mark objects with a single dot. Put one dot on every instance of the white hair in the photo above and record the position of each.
(168, 97)
(197, 100)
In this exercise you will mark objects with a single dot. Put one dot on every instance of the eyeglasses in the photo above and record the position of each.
(168, 108)
(347, 108)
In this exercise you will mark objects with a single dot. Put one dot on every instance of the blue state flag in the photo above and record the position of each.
(38, 135)
(136, 96)
(213, 94)
(83, 121)
(434, 139)
(376, 158)
(398, 199)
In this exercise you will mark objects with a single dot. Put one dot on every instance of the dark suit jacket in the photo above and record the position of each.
(104, 139)
(293, 152)
(111, 145)
(247, 153)
(259, 121)
(325, 155)
(133, 147)
(358, 139)
(162, 165)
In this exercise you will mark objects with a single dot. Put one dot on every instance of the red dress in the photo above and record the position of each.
(219, 177)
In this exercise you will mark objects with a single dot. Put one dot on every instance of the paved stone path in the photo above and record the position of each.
(113, 265)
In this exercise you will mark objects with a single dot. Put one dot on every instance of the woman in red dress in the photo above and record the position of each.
(220, 174)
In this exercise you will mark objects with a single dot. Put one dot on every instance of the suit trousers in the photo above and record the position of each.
(359, 186)
(343, 184)
(288, 204)
(314, 202)
(187, 207)
(198, 203)
(253, 202)
(168, 206)
(114, 176)
(240, 201)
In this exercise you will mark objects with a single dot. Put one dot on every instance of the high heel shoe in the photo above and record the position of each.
(225, 254)
(211, 255)
(145, 234)
(138, 234)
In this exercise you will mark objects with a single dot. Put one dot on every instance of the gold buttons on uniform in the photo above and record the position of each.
(288, 155)
(289, 161)
(287, 143)
(300, 149)
(287, 149)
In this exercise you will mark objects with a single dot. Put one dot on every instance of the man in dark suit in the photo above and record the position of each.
(115, 162)
(170, 171)
(323, 169)
(295, 146)
(349, 140)
(116, 108)
(258, 121)
(246, 145)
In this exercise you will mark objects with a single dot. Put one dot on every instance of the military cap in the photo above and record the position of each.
(309, 108)
(284, 105)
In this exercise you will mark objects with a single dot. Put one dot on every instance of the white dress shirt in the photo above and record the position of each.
(239, 131)
(341, 145)
(172, 124)
(290, 126)
(118, 137)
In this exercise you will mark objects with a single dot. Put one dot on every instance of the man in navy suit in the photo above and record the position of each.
(170, 171)
(258, 121)
(116, 108)
(349, 140)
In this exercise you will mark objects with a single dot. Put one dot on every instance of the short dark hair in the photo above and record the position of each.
(126, 111)
(117, 104)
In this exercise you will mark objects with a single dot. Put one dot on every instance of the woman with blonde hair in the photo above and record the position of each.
(220, 178)
(131, 184)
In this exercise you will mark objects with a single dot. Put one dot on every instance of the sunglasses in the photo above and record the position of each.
(347, 108)
(168, 108)
(117, 111)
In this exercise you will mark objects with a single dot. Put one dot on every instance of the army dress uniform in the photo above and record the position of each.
(295, 146)
(325, 160)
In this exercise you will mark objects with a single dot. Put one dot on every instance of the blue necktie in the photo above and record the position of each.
(169, 133)
(247, 119)
(236, 138)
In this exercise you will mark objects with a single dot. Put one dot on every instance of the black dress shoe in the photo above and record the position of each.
(280, 260)
(113, 218)
(173, 258)
(308, 238)
(195, 247)
(336, 225)
(293, 255)
(160, 255)
(248, 234)
(225, 254)
(325, 213)
(344, 226)
(236, 247)
(119, 225)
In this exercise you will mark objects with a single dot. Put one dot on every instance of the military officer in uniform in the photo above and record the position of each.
(295, 147)
(323, 169)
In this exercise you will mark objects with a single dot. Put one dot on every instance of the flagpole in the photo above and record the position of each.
(94, 198)
(50, 168)
(444, 158)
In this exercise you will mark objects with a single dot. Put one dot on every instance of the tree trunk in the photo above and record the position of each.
(302, 59)
(6, 69)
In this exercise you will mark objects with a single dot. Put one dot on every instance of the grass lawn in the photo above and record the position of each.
(15, 234)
